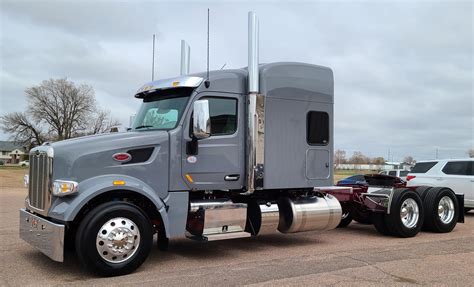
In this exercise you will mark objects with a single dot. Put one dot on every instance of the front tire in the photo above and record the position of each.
(442, 210)
(114, 239)
(406, 214)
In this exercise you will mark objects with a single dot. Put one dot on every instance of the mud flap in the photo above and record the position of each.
(460, 198)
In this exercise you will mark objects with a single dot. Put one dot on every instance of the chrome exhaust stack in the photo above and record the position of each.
(256, 113)
(185, 58)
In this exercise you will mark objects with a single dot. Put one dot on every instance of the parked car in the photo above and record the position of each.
(354, 179)
(457, 174)
(24, 163)
(401, 173)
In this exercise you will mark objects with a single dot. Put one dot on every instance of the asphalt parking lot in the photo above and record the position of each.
(356, 255)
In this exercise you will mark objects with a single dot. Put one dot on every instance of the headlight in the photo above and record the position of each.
(64, 187)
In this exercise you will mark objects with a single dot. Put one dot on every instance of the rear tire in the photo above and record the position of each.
(346, 219)
(380, 224)
(422, 190)
(114, 239)
(441, 210)
(406, 214)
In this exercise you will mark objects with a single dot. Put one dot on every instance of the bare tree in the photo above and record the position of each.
(22, 129)
(339, 157)
(377, 160)
(409, 160)
(57, 109)
(359, 158)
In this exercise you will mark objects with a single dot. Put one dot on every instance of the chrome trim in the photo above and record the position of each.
(201, 120)
(118, 240)
(40, 175)
(270, 218)
(219, 217)
(179, 82)
(46, 236)
(255, 143)
(409, 213)
(446, 209)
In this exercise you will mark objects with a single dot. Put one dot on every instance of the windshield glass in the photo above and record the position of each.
(160, 112)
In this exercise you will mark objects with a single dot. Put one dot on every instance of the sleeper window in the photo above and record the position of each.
(317, 128)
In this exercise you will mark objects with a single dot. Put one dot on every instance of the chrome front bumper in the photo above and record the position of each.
(42, 234)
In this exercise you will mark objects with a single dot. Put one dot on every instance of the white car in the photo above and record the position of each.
(401, 173)
(24, 163)
(457, 174)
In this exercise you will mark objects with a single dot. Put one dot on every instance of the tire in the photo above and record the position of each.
(106, 221)
(422, 190)
(380, 224)
(441, 199)
(360, 219)
(406, 213)
(346, 219)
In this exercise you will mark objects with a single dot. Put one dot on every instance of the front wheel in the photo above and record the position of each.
(114, 239)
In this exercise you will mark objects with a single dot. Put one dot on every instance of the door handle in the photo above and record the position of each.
(232, 177)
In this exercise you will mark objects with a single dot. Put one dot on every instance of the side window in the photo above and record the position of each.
(423, 167)
(317, 128)
(392, 173)
(223, 112)
(457, 168)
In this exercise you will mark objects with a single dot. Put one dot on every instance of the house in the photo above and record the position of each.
(11, 152)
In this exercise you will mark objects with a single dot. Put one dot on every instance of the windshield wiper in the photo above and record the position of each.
(142, 127)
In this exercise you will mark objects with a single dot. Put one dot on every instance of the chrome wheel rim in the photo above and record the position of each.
(446, 209)
(409, 213)
(117, 240)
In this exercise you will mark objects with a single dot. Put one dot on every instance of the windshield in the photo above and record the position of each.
(160, 112)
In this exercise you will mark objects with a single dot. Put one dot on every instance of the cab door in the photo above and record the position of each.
(219, 162)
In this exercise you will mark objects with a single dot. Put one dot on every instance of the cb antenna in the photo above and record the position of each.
(207, 83)
(153, 61)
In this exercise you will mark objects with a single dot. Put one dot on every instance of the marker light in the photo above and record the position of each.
(64, 187)
(119, 182)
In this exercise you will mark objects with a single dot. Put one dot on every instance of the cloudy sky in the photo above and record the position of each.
(403, 70)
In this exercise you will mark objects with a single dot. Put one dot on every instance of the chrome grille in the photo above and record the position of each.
(39, 189)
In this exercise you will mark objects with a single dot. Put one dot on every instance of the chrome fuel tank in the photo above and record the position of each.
(322, 212)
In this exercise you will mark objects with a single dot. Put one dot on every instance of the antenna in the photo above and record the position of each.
(207, 83)
(153, 61)
(223, 66)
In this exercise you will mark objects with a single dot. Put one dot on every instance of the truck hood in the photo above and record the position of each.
(84, 157)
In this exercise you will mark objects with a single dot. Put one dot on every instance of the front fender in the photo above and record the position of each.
(66, 208)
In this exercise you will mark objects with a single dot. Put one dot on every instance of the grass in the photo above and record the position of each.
(13, 167)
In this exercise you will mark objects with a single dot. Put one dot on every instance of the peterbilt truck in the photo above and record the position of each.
(210, 156)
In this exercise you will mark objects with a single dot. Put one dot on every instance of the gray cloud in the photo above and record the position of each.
(403, 71)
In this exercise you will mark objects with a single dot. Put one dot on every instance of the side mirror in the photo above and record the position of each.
(201, 120)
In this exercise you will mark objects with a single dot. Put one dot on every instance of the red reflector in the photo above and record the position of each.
(122, 157)
(409, 177)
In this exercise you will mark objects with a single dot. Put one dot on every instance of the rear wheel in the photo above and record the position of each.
(114, 239)
(406, 213)
(380, 224)
(346, 219)
(442, 210)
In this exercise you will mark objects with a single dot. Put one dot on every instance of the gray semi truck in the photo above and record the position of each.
(210, 156)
